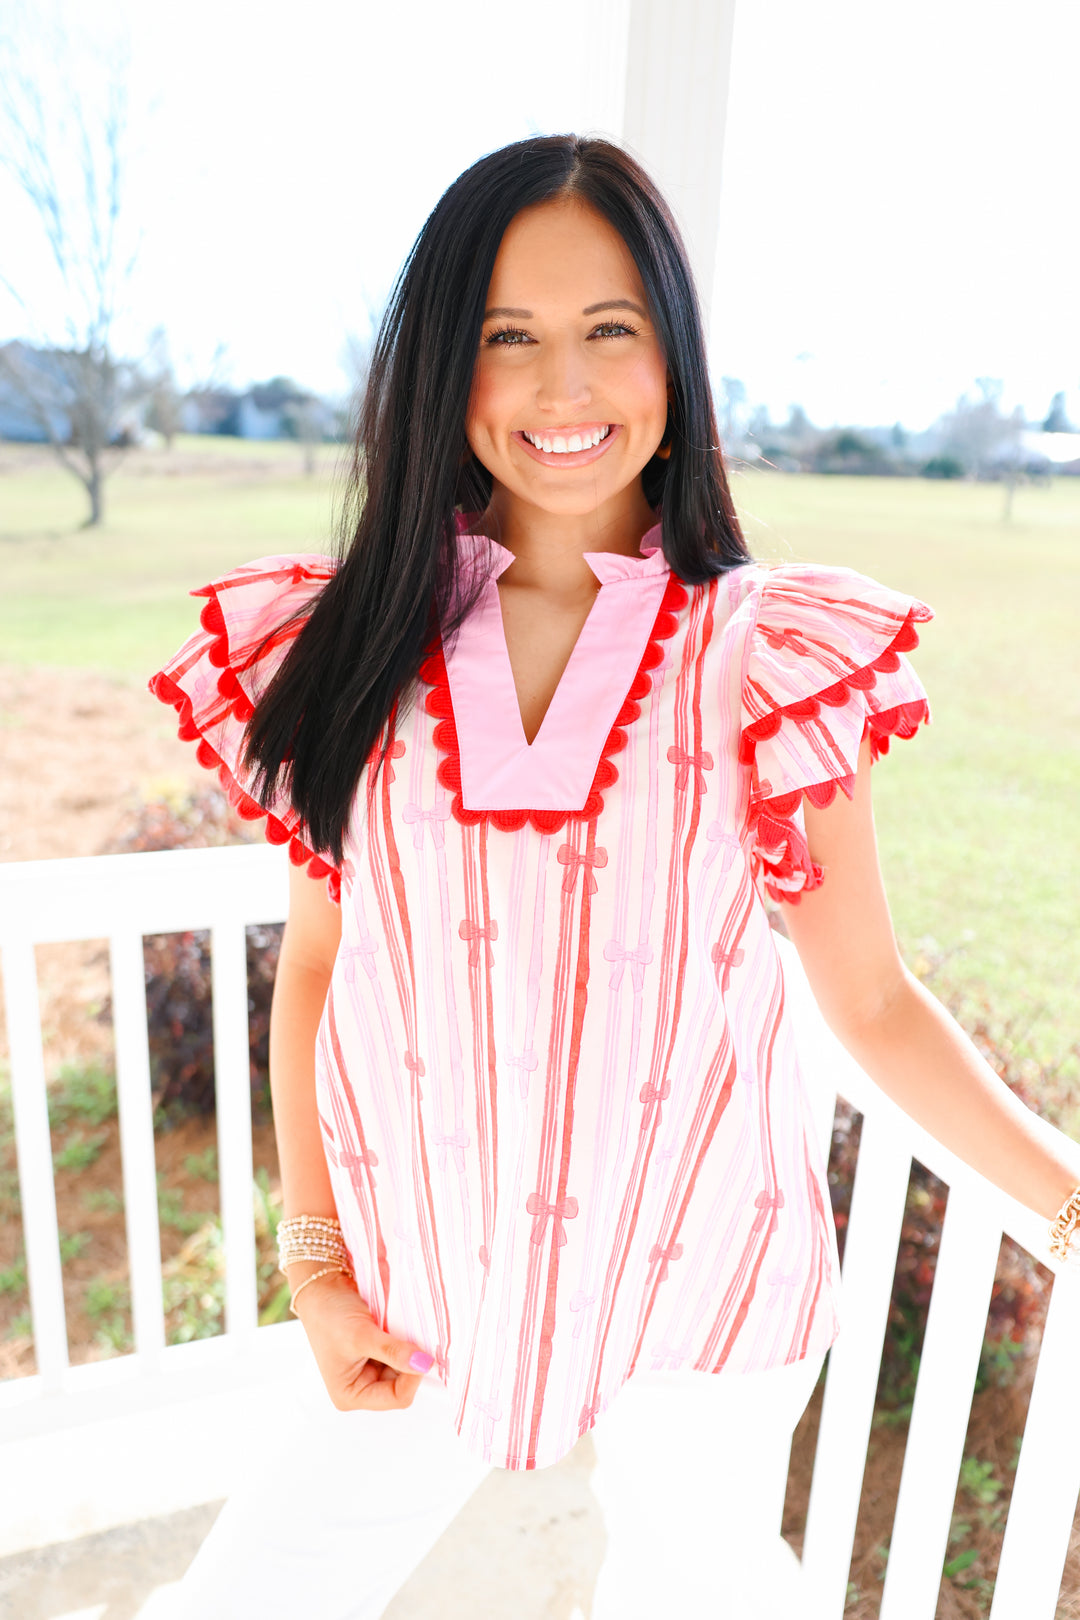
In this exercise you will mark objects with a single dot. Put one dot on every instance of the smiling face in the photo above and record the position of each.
(569, 399)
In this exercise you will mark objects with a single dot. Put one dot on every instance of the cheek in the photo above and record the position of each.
(645, 382)
(489, 403)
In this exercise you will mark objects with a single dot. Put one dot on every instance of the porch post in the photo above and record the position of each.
(678, 67)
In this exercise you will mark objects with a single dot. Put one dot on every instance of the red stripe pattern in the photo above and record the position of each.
(560, 1095)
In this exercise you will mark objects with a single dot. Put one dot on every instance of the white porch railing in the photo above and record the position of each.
(124, 897)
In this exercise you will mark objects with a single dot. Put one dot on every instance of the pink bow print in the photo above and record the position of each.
(363, 952)
(366, 1158)
(698, 763)
(474, 932)
(418, 819)
(575, 860)
(454, 1142)
(767, 1204)
(541, 1209)
(615, 951)
(658, 1252)
(724, 961)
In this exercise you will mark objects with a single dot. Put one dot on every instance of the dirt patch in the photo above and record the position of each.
(81, 753)
(979, 1515)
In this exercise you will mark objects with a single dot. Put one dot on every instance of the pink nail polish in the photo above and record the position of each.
(421, 1362)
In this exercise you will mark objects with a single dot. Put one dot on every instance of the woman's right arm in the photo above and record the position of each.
(361, 1366)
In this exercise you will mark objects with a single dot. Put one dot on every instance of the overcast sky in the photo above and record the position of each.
(898, 213)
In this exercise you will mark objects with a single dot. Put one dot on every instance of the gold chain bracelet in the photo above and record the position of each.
(1064, 1230)
(315, 1275)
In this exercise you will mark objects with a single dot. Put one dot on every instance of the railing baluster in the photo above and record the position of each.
(877, 1212)
(955, 1329)
(232, 1084)
(30, 1105)
(137, 1140)
(1044, 1498)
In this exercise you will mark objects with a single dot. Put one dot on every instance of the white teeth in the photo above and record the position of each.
(560, 445)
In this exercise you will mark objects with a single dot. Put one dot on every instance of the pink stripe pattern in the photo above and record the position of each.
(562, 1105)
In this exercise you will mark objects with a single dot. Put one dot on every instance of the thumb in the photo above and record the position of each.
(404, 1357)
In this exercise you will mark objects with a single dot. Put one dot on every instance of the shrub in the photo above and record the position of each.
(200, 820)
(847, 451)
(87, 1094)
(943, 467)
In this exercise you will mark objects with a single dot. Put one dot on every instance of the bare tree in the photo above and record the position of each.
(304, 418)
(975, 431)
(65, 152)
(732, 412)
(356, 353)
(1011, 458)
(164, 398)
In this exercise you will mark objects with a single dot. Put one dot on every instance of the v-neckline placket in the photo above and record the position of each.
(500, 771)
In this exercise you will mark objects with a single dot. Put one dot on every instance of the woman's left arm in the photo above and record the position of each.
(897, 1031)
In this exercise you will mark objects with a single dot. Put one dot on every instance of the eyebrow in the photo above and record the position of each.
(592, 309)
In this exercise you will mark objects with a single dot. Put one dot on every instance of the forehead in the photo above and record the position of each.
(562, 252)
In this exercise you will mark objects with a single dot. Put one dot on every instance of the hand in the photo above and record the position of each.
(363, 1368)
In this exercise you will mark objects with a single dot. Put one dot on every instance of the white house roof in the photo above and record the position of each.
(1056, 447)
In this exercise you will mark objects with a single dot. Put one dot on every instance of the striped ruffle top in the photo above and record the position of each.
(560, 1097)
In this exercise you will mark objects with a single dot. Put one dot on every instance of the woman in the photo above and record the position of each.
(549, 734)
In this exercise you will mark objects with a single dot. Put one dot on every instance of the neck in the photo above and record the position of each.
(553, 545)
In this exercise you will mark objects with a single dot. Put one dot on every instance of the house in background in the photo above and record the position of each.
(278, 409)
(19, 423)
(36, 413)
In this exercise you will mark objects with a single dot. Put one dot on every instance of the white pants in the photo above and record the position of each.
(690, 1478)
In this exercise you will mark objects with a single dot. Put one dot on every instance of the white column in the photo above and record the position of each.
(678, 67)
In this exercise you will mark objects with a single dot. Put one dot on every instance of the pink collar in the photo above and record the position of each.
(499, 769)
(479, 551)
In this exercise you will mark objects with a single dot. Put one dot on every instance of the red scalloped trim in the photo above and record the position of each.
(790, 871)
(219, 653)
(835, 696)
(439, 703)
(167, 691)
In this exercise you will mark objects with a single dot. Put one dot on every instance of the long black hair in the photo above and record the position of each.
(323, 716)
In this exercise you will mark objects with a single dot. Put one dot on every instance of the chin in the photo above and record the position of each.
(572, 503)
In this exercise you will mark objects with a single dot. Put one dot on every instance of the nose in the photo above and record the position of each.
(563, 384)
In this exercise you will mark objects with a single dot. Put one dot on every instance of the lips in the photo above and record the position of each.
(584, 432)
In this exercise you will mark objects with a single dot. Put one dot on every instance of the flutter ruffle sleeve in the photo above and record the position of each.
(826, 668)
(250, 619)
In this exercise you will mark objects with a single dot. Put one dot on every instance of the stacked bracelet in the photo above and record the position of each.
(1065, 1231)
(312, 1237)
(315, 1275)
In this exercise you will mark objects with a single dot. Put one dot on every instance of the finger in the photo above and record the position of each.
(389, 1393)
(402, 1356)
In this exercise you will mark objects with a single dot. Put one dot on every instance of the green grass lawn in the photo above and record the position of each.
(977, 817)
(116, 598)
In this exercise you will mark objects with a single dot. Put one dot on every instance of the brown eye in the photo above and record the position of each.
(614, 329)
(507, 337)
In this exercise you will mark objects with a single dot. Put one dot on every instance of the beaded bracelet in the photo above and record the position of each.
(315, 1275)
(1065, 1231)
(311, 1237)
